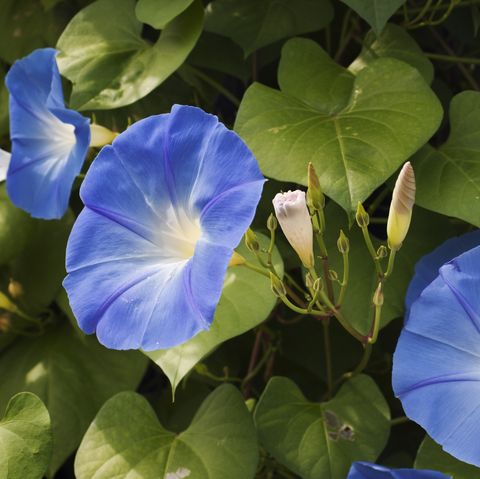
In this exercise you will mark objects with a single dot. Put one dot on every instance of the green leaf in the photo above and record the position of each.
(448, 178)
(158, 13)
(15, 227)
(394, 42)
(426, 232)
(253, 24)
(246, 301)
(356, 130)
(74, 376)
(321, 440)
(127, 440)
(375, 12)
(110, 65)
(25, 438)
(431, 456)
(40, 268)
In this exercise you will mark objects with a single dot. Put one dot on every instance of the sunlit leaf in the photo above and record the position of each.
(356, 130)
(127, 440)
(158, 13)
(25, 438)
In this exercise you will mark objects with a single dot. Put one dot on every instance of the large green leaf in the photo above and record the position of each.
(426, 232)
(321, 440)
(253, 24)
(246, 301)
(356, 130)
(448, 178)
(15, 227)
(394, 42)
(40, 268)
(127, 440)
(375, 12)
(158, 13)
(110, 65)
(25, 438)
(431, 456)
(74, 376)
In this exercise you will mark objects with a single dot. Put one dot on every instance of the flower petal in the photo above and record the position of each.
(4, 162)
(436, 366)
(426, 270)
(49, 141)
(366, 470)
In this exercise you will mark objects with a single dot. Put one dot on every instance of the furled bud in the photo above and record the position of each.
(401, 207)
(100, 136)
(15, 289)
(315, 197)
(272, 222)
(362, 216)
(343, 244)
(333, 275)
(292, 214)
(382, 252)
(378, 296)
(251, 241)
(277, 286)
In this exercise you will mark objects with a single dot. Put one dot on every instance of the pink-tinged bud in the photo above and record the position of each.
(401, 207)
(294, 219)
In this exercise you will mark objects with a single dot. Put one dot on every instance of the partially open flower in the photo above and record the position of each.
(401, 207)
(294, 218)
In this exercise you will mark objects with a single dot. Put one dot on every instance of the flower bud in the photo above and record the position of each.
(15, 289)
(6, 304)
(401, 207)
(362, 216)
(343, 244)
(378, 296)
(272, 222)
(333, 275)
(315, 197)
(277, 286)
(382, 252)
(100, 136)
(294, 218)
(251, 241)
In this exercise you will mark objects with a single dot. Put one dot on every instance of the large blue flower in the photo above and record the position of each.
(165, 206)
(436, 366)
(365, 470)
(49, 141)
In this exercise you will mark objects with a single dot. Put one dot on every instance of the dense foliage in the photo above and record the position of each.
(294, 376)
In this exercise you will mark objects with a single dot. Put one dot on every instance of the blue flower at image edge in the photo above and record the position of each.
(165, 206)
(49, 141)
(365, 470)
(436, 365)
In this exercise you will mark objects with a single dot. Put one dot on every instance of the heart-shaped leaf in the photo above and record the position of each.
(321, 440)
(110, 65)
(158, 13)
(356, 130)
(127, 440)
(448, 178)
(431, 456)
(25, 438)
(394, 42)
(246, 301)
(375, 12)
(253, 24)
(73, 375)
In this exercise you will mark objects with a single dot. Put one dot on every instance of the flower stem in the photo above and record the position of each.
(328, 356)
(391, 263)
(371, 250)
(346, 273)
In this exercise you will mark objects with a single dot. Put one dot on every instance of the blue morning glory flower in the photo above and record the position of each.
(426, 270)
(436, 366)
(49, 141)
(165, 206)
(366, 470)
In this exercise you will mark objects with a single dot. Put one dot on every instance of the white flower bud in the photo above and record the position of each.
(4, 162)
(294, 219)
(401, 207)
